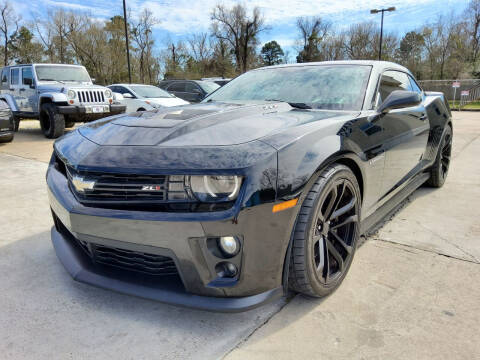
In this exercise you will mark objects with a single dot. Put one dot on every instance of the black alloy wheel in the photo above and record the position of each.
(439, 170)
(326, 233)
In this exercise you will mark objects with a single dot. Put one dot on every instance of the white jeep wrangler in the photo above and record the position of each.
(56, 94)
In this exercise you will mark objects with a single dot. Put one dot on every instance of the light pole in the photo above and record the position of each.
(126, 41)
(376, 11)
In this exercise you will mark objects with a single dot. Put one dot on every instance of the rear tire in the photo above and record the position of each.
(326, 233)
(439, 170)
(52, 123)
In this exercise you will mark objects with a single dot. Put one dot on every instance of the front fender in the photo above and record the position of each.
(10, 100)
(52, 97)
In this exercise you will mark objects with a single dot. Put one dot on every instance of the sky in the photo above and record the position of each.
(179, 18)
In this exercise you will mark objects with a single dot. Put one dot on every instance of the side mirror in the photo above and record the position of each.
(93, 80)
(117, 96)
(400, 99)
(28, 81)
(128, 96)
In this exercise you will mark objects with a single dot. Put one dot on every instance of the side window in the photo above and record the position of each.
(4, 76)
(191, 88)
(391, 81)
(414, 85)
(177, 86)
(14, 76)
(27, 76)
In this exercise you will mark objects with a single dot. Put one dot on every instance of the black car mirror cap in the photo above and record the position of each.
(400, 99)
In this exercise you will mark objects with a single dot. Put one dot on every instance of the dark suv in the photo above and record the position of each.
(189, 90)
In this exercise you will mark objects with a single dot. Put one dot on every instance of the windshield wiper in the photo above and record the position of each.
(293, 104)
(60, 81)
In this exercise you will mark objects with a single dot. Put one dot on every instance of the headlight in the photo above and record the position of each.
(71, 94)
(108, 93)
(214, 188)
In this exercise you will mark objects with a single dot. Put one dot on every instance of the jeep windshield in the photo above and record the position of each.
(335, 87)
(61, 73)
(149, 91)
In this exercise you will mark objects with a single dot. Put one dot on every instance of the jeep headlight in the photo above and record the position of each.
(108, 93)
(214, 188)
(71, 94)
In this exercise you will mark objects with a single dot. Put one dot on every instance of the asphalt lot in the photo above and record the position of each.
(412, 291)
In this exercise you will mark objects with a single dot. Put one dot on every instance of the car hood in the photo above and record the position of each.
(58, 87)
(205, 124)
(173, 101)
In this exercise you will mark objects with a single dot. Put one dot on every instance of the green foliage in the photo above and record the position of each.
(272, 53)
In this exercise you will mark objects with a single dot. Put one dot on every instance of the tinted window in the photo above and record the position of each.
(191, 88)
(177, 86)
(14, 76)
(414, 86)
(337, 87)
(4, 76)
(27, 74)
(391, 81)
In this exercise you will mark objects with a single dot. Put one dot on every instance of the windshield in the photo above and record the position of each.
(208, 86)
(61, 73)
(336, 87)
(149, 91)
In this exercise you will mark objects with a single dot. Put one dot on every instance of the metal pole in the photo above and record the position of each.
(126, 41)
(381, 38)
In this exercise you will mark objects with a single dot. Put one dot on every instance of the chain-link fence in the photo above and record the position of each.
(445, 86)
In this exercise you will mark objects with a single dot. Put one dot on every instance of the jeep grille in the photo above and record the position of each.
(91, 96)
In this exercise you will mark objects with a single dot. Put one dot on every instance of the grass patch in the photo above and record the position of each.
(475, 105)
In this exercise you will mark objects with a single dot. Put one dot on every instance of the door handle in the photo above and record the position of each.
(22, 89)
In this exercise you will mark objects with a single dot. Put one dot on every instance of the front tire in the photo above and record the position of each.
(439, 170)
(52, 123)
(326, 233)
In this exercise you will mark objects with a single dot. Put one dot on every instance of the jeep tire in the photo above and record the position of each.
(16, 123)
(52, 123)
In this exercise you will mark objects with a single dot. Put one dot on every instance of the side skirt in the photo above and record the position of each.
(391, 204)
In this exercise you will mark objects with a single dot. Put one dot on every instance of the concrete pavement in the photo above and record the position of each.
(412, 291)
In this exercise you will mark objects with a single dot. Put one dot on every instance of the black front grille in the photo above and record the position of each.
(114, 188)
(151, 264)
(91, 96)
(132, 260)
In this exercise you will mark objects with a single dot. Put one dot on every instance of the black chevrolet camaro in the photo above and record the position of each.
(265, 186)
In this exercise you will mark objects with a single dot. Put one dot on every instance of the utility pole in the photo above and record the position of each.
(126, 41)
(376, 11)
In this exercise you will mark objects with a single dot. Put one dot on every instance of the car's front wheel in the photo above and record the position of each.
(326, 233)
(52, 123)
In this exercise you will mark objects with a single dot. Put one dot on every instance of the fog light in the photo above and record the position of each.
(226, 270)
(229, 245)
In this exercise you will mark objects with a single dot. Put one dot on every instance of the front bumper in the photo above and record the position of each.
(6, 134)
(82, 269)
(181, 236)
(114, 109)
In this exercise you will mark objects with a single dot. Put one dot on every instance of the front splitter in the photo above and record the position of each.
(82, 269)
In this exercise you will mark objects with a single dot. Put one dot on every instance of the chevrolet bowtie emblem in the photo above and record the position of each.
(81, 184)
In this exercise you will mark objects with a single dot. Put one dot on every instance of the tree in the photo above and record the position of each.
(8, 21)
(22, 49)
(472, 16)
(410, 52)
(239, 31)
(272, 53)
(313, 31)
(142, 35)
